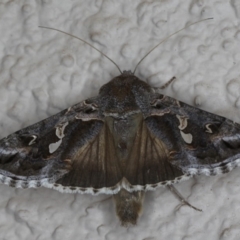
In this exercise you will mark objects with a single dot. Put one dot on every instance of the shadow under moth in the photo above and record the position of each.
(128, 139)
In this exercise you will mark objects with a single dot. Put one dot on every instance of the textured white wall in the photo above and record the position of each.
(43, 72)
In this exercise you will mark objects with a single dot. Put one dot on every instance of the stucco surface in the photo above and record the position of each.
(43, 72)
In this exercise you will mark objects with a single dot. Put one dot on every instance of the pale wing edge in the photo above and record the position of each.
(123, 184)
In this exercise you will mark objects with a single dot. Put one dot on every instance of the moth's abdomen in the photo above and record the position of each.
(128, 206)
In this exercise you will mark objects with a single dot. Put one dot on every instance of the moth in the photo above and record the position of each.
(128, 139)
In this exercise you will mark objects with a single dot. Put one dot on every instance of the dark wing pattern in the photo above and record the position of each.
(199, 142)
(43, 153)
(95, 166)
(135, 158)
(77, 150)
(148, 163)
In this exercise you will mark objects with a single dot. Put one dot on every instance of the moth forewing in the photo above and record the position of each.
(126, 140)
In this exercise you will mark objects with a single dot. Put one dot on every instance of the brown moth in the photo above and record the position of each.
(128, 139)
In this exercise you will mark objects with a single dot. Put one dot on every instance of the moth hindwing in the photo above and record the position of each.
(128, 139)
(124, 141)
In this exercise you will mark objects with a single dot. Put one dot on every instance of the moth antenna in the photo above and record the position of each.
(84, 42)
(167, 39)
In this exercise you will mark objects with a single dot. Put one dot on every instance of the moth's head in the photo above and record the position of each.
(123, 94)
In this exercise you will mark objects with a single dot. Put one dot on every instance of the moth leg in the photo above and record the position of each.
(181, 198)
(167, 83)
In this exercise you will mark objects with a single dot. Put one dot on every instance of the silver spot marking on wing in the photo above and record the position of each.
(60, 134)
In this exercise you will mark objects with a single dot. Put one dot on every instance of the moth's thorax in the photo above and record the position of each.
(124, 95)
